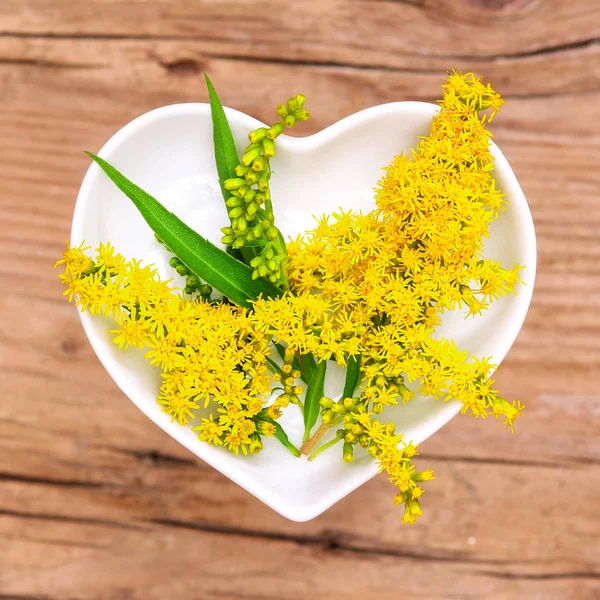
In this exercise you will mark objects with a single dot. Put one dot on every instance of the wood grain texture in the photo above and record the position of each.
(97, 503)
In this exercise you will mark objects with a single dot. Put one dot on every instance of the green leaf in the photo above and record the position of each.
(280, 349)
(281, 435)
(307, 366)
(275, 368)
(220, 270)
(226, 156)
(314, 393)
(352, 376)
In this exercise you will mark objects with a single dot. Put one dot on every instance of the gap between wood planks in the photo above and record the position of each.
(546, 50)
(329, 541)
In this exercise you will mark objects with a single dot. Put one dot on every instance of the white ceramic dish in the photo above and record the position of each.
(169, 153)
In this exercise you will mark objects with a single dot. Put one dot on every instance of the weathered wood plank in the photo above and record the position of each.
(413, 35)
(90, 561)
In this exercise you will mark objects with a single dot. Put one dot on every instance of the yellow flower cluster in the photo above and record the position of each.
(395, 458)
(377, 284)
(370, 286)
(209, 353)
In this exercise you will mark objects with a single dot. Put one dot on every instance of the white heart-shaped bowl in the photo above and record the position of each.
(169, 153)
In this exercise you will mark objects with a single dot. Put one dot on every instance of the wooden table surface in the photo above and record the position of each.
(98, 503)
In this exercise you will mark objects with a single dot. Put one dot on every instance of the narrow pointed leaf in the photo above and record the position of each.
(226, 156)
(281, 435)
(307, 366)
(314, 393)
(352, 376)
(220, 270)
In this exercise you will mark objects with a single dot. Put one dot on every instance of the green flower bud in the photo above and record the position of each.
(252, 153)
(289, 121)
(302, 115)
(241, 191)
(241, 170)
(256, 262)
(272, 233)
(272, 264)
(263, 183)
(256, 444)
(274, 277)
(373, 451)
(236, 212)
(327, 417)
(233, 184)
(292, 104)
(349, 419)
(401, 498)
(262, 270)
(252, 177)
(259, 164)
(242, 224)
(257, 135)
(300, 100)
(282, 111)
(357, 429)
(193, 281)
(349, 403)
(257, 230)
(233, 202)
(227, 239)
(238, 242)
(251, 209)
(348, 452)
(268, 147)
(265, 428)
(275, 131)
(326, 402)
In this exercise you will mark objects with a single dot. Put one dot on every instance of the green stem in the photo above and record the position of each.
(335, 440)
